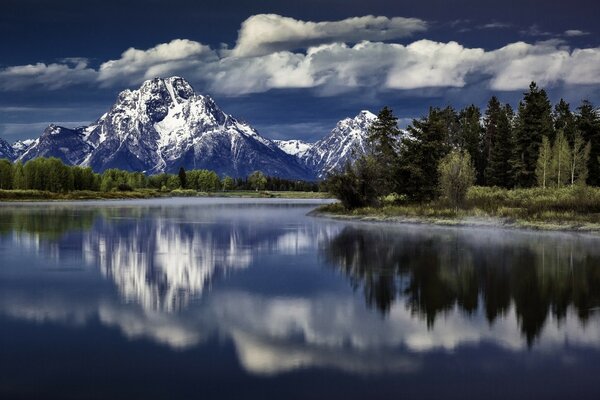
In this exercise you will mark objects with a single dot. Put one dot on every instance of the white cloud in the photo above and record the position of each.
(265, 33)
(332, 59)
(50, 76)
(575, 32)
(137, 65)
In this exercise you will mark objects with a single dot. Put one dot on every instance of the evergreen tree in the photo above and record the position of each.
(533, 122)
(564, 120)
(579, 160)
(561, 155)
(543, 165)
(421, 153)
(497, 144)
(470, 134)
(182, 178)
(383, 140)
(588, 123)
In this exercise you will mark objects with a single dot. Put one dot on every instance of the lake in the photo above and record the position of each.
(253, 299)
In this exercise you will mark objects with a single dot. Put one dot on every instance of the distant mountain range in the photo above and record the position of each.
(165, 125)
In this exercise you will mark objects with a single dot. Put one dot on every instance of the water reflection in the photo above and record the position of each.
(283, 305)
(434, 271)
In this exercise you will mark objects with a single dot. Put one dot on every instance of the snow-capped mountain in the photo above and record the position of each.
(165, 125)
(347, 141)
(21, 146)
(6, 150)
(294, 147)
(162, 126)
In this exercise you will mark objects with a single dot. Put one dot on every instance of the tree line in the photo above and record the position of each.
(51, 174)
(536, 145)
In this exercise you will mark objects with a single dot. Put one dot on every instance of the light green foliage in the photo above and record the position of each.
(228, 183)
(203, 180)
(19, 176)
(257, 180)
(561, 159)
(544, 162)
(457, 175)
(579, 160)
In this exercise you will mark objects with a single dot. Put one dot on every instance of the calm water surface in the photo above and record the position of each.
(252, 299)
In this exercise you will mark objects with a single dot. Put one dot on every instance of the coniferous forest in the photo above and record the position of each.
(536, 158)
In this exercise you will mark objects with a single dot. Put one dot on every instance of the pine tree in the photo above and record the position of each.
(182, 178)
(579, 160)
(497, 144)
(588, 123)
(383, 140)
(561, 155)
(533, 122)
(564, 120)
(470, 135)
(542, 170)
(421, 153)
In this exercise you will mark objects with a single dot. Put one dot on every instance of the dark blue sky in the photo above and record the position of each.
(288, 77)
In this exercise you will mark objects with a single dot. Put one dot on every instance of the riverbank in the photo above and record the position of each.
(556, 210)
(39, 195)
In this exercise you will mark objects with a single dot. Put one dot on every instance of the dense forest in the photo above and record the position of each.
(446, 151)
(52, 175)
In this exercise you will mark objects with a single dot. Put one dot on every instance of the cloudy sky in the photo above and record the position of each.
(291, 69)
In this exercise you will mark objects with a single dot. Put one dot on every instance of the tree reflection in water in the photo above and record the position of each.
(436, 270)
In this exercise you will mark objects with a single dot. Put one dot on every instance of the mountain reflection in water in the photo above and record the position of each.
(267, 278)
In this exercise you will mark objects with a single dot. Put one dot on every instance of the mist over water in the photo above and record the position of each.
(224, 297)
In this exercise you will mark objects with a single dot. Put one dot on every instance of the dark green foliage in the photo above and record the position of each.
(356, 186)
(469, 138)
(383, 140)
(182, 178)
(497, 144)
(6, 174)
(588, 124)
(564, 120)
(420, 155)
(533, 122)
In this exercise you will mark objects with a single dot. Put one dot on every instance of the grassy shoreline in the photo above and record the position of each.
(42, 196)
(567, 209)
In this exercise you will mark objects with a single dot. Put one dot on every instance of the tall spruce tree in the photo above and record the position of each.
(564, 120)
(533, 122)
(588, 123)
(497, 144)
(470, 135)
(420, 154)
(383, 140)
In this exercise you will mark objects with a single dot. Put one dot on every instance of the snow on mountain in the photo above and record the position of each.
(6, 150)
(165, 125)
(21, 146)
(347, 141)
(294, 147)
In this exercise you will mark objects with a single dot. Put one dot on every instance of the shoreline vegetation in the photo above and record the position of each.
(50, 179)
(10, 196)
(575, 209)
(536, 168)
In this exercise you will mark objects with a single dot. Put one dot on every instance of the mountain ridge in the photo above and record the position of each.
(165, 125)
